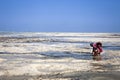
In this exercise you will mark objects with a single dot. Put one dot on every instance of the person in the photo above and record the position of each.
(97, 48)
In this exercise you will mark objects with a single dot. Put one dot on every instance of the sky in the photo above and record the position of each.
(60, 15)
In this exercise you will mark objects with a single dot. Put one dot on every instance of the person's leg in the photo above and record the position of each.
(94, 51)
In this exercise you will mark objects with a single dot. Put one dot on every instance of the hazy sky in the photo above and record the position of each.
(60, 15)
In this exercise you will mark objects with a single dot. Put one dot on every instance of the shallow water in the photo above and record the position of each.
(111, 47)
(65, 55)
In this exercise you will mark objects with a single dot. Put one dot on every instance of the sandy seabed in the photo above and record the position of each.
(58, 56)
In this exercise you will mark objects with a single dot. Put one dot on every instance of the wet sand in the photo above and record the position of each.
(58, 57)
(68, 76)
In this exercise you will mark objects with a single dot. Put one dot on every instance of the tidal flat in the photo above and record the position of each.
(58, 56)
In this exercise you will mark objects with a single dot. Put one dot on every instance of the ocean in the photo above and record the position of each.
(57, 55)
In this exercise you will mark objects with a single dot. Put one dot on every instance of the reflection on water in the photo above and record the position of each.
(97, 58)
(111, 47)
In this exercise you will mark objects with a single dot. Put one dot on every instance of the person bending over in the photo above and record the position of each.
(97, 48)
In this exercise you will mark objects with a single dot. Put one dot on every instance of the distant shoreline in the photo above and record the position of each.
(50, 32)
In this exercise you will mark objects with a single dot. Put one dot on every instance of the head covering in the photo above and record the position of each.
(95, 45)
(99, 47)
(99, 43)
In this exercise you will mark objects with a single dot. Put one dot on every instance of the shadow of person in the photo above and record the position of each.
(97, 58)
